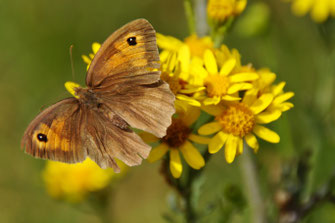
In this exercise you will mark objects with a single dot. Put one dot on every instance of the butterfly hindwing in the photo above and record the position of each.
(56, 133)
(109, 137)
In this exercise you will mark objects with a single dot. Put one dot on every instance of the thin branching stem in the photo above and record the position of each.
(252, 188)
(189, 16)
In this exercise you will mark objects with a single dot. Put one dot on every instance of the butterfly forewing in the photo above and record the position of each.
(129, 52)
(124, 75)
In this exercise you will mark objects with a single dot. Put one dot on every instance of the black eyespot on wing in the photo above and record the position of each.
(132, 41)
(42, 138)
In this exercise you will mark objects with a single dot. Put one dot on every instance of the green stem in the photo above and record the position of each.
(185, 189)
(220, 30)
(250, 177)
(189, 16)
(100, 202)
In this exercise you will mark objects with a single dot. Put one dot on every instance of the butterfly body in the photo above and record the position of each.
(87, 97)
(123, 90)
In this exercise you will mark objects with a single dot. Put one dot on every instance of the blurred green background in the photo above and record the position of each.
(35, 37)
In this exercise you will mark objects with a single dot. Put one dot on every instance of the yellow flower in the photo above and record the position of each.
(264, 85)
(196, 45)
(220, 84)
(73, 182)
(178, 139)
(220, 10)
(175, 71)
(239, 121)
(320, 9)
(88, 59)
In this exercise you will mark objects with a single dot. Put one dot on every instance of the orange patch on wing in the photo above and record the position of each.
(55, 139)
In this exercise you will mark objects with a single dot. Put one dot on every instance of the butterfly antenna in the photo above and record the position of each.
(72, 64)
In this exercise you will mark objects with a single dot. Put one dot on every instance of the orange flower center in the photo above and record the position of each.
(174, 82)
(217, 85)
(237, 120)
(176, 134)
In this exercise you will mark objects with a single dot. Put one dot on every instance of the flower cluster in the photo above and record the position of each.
(239, 100)
(220, 10)
(320, 9)
(73, 182)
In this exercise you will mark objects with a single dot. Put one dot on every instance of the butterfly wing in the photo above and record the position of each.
(56, 133)
(147, 107)
(124, 75)
(69, 132)
(129, 52)
(109, 138)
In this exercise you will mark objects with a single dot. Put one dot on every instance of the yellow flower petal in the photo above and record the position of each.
(86, 59)
(147, 137)
(212, 109)
(301, 7)
(261, 103)
(241, 77)
(250, 96)
(176, 167)
(192, 156)
(239, 146)
(268, 116)
(320, 11)
(158, 152)
(332, 8)
(266, 134)
(266, 78)
(228, 66)
(199, 139)
(95, 47)
(168, 42)
(189, 100)
(184, 56)
(210, 62)
(239, 87)
(192, 90)
(252, 141)
(285, 106)
(172, 61)
(211, 101)
(70, 87)
(210, 128)
(240, 6)
(284, 97)
(277, 89)
(230, 148)
(217, 142)
(230, 98)
(190, 116)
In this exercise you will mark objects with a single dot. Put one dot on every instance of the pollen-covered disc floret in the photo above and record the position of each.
(217, 85)
(177, 141)
(176, 134)
(237, 120)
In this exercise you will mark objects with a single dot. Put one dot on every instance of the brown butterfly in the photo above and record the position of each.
(124, 90)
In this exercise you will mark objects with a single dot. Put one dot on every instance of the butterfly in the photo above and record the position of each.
(124, 91)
